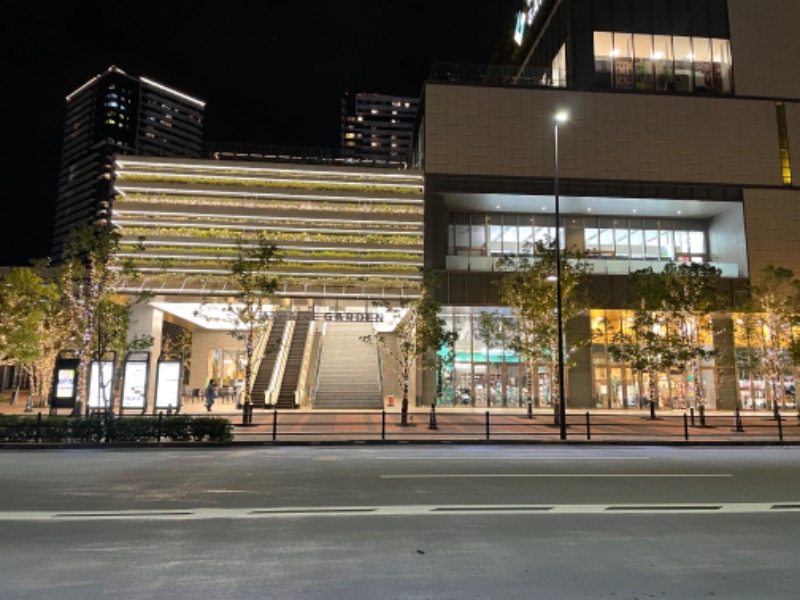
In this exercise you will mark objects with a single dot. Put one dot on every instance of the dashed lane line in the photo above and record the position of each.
(202, 514)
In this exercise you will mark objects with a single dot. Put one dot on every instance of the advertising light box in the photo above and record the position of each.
(134, 385)
(101, 393)
(168, 385)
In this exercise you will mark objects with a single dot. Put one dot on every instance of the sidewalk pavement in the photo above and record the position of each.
(495, 425)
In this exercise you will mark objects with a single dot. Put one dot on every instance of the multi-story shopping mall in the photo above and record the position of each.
(677, 148)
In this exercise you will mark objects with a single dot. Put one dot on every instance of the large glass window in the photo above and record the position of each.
(643, 61)
(494, 236)
(666, 63)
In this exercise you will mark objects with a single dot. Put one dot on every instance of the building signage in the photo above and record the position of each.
(525, 19)
(308, 315)
(100, 392)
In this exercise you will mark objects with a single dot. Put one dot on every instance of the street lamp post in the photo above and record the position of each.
(560, 117)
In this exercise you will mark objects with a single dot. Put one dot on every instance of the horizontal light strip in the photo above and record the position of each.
(293, 229)
(180, 95)
(234, 178)
(124, 214)
(320, 260)
(212, 244)
(278, 274)
(194, 166)
(121, 188)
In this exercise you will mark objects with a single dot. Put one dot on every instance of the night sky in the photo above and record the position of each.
(271, 75)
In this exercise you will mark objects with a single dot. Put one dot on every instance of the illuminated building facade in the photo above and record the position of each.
(378, 127)
(345, 237)
(677, 148)
(115, 114)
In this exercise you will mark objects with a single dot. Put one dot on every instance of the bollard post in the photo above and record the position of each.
(652, 410)
(691, 413)
(685, 428)
(274, 425)
(160, 423)
(432, 424)
(39, 427)
(383, 425)
(530, 408)
(487, 424)
(588, 427)
(702, 410)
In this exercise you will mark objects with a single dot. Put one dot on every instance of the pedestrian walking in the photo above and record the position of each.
(211, 394)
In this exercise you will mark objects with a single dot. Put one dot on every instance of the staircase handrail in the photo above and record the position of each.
(319, 359)
(271, 393)
(258, 355)
(300, 392)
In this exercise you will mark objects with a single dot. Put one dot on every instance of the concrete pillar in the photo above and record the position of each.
(725, 362)
(579, 377)
(148, 321)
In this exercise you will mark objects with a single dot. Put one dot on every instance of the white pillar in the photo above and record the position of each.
(148, 321)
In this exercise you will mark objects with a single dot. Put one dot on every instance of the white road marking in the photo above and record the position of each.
(550, 475)
(200, 514)
(502, 458)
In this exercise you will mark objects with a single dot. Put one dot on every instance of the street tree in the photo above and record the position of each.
(33, 327)
(89, 278)
(691, 297)
(643, 342)
(420, 333)
(254, 286)
(771, 315)
(671, 324)
(528, 287)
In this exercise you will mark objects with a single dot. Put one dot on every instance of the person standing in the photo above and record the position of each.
(211, 394)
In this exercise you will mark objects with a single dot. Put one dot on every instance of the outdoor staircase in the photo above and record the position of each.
(264, 375)
(348, 369)
(294, 366)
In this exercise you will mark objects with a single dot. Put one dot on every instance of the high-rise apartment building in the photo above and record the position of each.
(377, 127)
(116, 113)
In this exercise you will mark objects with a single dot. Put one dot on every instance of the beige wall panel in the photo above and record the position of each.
(772, 224)
(765, 47)
(634, 137)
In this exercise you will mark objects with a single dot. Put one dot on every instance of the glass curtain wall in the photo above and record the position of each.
(479, 238)
(642, 61)
(616, 385)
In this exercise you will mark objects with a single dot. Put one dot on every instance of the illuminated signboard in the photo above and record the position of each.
(65, 383)
(168, 385)
(134, 387)
(525, 19)
(100, 396)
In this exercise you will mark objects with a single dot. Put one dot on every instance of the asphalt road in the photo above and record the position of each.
(405, 522)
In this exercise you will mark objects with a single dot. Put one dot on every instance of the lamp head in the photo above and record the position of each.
(561, 116)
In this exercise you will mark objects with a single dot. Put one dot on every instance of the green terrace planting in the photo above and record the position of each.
(272, 222)
(222, 253)
(304, 204)
(107, 428)
(221, 282)
(274, 183)
(276, 236)
(174, 263)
